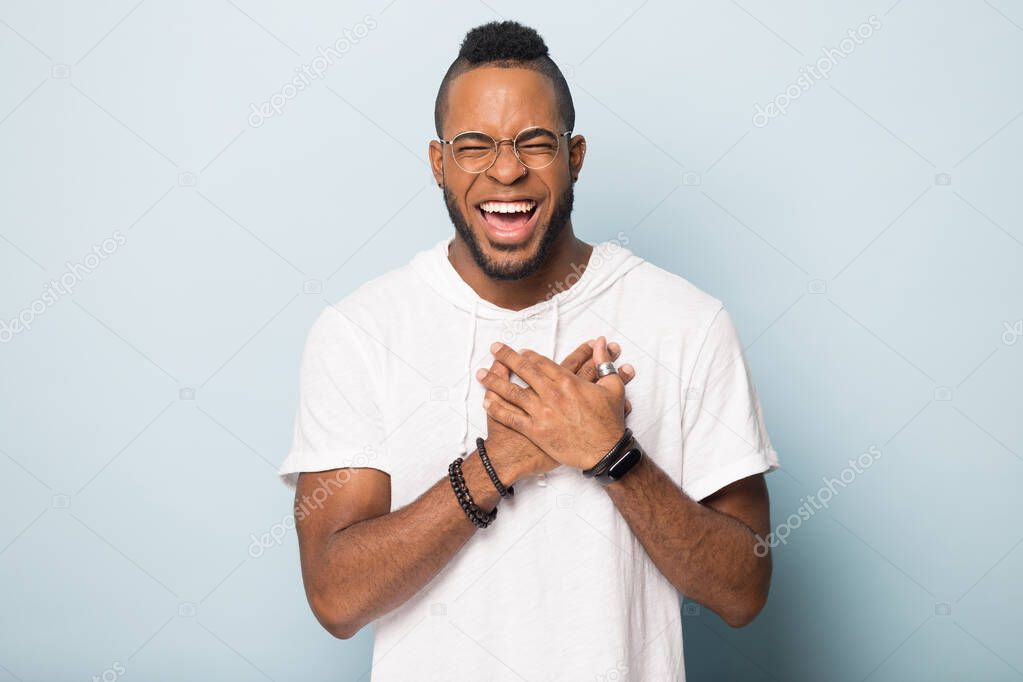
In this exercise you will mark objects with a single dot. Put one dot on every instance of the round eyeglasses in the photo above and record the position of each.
(476, 152)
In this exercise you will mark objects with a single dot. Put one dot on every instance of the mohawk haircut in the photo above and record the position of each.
(506, 45)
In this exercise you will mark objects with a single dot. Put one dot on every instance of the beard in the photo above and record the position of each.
(549, 233)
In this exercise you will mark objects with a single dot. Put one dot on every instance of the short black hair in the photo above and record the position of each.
(504, 44)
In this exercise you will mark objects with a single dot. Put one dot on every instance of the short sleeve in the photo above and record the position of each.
(337, 422)
(724, 437)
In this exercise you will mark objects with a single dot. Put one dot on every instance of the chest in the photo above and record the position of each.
(432, 404)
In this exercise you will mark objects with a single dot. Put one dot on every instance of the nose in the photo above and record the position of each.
(506, 168)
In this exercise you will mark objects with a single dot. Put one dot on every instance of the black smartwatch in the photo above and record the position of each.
(622, 464)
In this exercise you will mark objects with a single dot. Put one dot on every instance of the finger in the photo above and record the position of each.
(535, 369)
(520, 396)
(502, 372)
(503, 413)
(578, 357)
(611, 346)
(628, 406)
(612, 382)
(491, 397)
(589, 371)
(627, 373)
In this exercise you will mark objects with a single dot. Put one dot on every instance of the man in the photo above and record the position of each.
(497, 338)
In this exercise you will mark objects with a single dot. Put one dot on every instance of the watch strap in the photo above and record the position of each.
(614, 453)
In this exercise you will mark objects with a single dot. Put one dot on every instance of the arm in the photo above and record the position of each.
(706, 550)
(359, 561)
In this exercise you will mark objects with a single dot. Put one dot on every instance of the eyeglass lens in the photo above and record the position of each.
(475, 152)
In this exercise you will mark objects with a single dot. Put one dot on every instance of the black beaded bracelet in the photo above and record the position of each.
(459, 490)
(476, 514)
(479, 518)
(501, 488)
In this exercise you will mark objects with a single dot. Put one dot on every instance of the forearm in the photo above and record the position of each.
(707, 555)
(371, 567)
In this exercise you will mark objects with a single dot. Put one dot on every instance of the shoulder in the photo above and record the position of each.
(360, 309)
(674, 297)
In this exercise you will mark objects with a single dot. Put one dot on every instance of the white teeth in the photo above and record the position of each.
(508, 206)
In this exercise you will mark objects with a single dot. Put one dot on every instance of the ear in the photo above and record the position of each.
(436, 152)
(576, 154)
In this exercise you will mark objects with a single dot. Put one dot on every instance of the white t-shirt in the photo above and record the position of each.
(558, 587)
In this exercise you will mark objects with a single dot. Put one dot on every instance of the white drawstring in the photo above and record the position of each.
(470, 375)
(541, 480)
(554, 332)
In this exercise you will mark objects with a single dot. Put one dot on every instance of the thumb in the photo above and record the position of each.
(612, 382)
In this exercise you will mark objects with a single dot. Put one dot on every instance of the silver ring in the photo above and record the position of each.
(605, 368)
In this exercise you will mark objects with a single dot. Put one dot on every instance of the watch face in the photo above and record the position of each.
(625, 463)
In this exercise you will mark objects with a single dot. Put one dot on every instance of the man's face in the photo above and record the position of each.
(502, 102)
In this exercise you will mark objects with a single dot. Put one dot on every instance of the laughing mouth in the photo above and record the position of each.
(507, 216)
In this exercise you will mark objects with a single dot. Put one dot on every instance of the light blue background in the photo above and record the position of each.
(876, 298)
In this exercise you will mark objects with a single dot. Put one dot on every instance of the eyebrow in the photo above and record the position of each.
(476, 135)
(533, 133)
(471, 134)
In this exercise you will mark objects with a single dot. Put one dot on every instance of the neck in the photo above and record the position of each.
(568, 255)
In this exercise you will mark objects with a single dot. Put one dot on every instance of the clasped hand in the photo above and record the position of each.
(572, 419)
